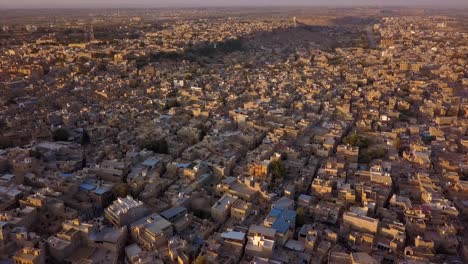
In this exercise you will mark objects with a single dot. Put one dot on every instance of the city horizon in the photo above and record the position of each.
(143, 4)
(255, 132)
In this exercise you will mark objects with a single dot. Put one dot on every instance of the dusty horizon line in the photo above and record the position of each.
(412, 6)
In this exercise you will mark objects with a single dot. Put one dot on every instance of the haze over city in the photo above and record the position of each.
(233, 132)
(219, 3)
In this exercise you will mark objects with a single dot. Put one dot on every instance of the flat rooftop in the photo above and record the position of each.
(224, 202)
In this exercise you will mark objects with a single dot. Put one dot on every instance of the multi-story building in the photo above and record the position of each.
(240, 210)
(360, 223)
(283, 221)
(29, 255)
(260, 241)
(260, 169)
(178, 216)
(222, 208)
(151, 231)
(124, 211)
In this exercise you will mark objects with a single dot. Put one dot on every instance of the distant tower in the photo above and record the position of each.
(294, 22)
(91, 33)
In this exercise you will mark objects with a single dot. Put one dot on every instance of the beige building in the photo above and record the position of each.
(29, 255)
(222, 208)
(240, 210)
(234, 187)
(360, 223)
(260, 169)
(349, 153)
(35, 200)
(260, 241)
(321, 187)
(152, 231)
(125, 211)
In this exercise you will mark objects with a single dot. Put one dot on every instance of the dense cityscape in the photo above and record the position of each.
(231, 135)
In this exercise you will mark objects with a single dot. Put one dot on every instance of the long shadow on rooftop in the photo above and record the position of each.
(288, 40)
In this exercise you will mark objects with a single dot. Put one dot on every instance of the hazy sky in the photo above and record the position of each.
(206, 3)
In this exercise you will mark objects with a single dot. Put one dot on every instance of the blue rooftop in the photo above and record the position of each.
(100, 191)
(205, 177)
(235, 235)
(285, 219)
(151, 162)
(87, 186)
(199, 241)
(174, 211)
(182, 165)
(65, 175)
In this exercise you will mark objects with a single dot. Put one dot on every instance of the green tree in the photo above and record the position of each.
(157, 146)
(83, 59)
(231, 45)
(102, 67)
(2, 124)
(60, 134)
(121, 190)
(300, 218)
(278, 170)
(367, 156)
(85, 140)
(5, 143)
(334, 61)
(202, 259)
(397, 143)
(188, 76)
(356, 140)
(171, 103)
(203, 131)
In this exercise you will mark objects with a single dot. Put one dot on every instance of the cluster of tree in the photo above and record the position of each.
(397, 143)
(203, 131)
(402, 148)
(60, 134)
(202, 259)
(155, 145)
(171, 103)
(230, 45)
(3, 124)
(85, 139)
(428, 139)
(83, 59)
(133, 35)
(121, 190)
(334, 61)
(69, 31)
(278, 170)
(101, 67)
(211, 49)
(170, 55)
(5, 143)
(201, 214)
(197, 53)
(356, 140)
(366, 156)
(300, 218)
